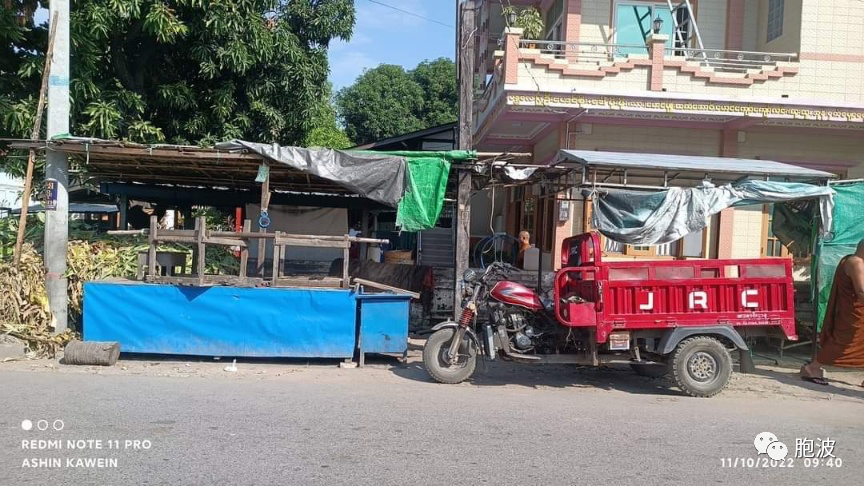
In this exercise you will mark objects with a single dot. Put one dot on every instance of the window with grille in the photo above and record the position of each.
(775, 19)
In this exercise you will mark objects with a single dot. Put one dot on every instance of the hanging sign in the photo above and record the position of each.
(51, 187)
(263, 172)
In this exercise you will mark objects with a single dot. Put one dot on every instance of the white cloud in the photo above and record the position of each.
(346, 65)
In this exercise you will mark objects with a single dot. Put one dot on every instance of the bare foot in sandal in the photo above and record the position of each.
(813, 376)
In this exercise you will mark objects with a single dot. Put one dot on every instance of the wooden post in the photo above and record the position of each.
(200, 234)
(463, 241)
(124, 211)
(277, 256)
(346, 255)
(34, 135)
(265, 202)
(465, 73)
(151, 255)
(364, 229)
(586, 214)
(244, 250)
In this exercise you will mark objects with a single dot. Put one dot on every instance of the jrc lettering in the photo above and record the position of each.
(699, 299)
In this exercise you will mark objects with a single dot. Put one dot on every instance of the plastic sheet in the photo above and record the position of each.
(847, 231)
(424, 195)
(374, 175)
(644, 218)
(221, 321)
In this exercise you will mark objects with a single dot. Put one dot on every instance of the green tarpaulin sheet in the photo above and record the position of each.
(794, 227)
(425, 186)
(848, 230)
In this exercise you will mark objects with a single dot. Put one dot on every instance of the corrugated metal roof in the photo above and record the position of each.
(687, 163)
(75, 208)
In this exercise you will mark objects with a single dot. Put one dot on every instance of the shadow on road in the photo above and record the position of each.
(552, 376)
(835, 387)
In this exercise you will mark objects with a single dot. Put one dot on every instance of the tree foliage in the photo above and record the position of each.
(180, 71)
(387, 100)
(325, 131)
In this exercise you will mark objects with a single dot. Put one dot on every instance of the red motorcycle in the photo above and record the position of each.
(521, 325)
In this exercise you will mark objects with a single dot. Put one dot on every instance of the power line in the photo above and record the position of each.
(411, 13)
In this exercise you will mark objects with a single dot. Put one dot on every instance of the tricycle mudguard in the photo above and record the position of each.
(672, 338)
(455, 325)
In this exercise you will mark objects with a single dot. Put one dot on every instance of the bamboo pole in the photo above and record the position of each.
(34, 135)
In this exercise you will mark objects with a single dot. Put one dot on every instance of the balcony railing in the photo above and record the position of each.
(718, 59)
(732, 61)
(585, 52)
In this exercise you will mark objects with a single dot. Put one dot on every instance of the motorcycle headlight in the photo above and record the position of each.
(469, 275)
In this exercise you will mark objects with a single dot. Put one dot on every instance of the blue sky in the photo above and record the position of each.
(386, 36)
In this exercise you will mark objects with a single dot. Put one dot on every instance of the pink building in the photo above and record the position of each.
(761, 79)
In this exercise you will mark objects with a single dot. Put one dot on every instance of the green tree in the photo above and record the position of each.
(387, 100)
(383, 102)
(440, 94)
(180, 71)
(326, 132)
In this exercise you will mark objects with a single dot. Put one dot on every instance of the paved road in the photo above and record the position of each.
(384, 425)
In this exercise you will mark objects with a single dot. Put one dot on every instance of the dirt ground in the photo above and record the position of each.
(775, 377)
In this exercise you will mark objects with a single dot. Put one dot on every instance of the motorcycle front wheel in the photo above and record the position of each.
(440, 367)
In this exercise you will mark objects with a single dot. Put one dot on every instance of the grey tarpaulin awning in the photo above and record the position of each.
(380, 178)
(650, 218)
(716, 168)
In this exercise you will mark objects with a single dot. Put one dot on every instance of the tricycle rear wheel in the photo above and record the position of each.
(701, 366)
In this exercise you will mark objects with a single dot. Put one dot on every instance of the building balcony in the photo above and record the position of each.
(536, 86)
(576, 57)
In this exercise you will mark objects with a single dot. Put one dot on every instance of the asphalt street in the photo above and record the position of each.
(390, 425)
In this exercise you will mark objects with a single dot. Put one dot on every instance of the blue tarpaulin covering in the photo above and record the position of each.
(221, 321)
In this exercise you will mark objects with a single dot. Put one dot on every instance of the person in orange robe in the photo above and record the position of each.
(842, 336)
(524, 244)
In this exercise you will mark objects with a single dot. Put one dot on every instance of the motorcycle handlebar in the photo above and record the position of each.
(501, 268)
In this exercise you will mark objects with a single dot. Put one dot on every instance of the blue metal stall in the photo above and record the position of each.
(222, 321)
(383, 323)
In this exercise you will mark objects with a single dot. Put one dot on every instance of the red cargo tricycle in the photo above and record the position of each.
(676, 317)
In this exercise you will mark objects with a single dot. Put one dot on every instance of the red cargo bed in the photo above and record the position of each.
(642, 294)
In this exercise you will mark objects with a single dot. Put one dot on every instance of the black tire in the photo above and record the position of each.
(650, 369)
(433, 358)
(701, 366)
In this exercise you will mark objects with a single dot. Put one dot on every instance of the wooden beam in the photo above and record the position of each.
(369, 283)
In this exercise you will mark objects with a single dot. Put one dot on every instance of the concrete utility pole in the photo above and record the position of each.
(57, 170)
(465, 45)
